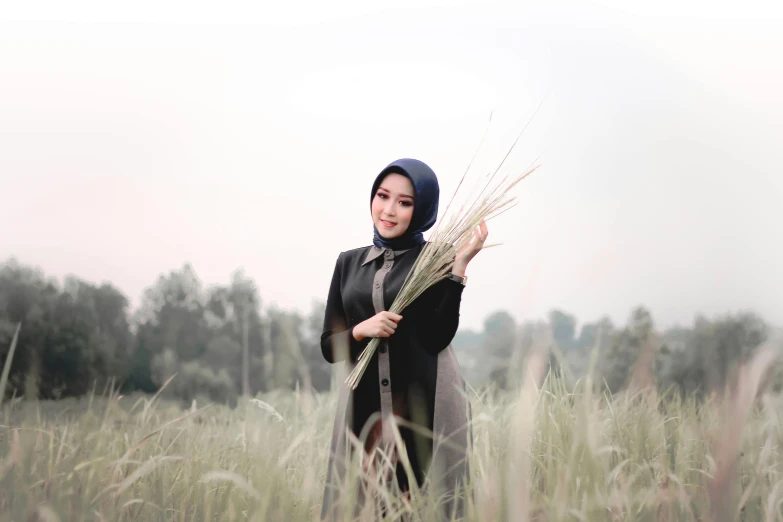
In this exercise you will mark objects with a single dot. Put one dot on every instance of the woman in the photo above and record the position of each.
(414, 374)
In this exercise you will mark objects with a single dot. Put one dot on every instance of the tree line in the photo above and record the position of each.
(222, 342)
(696, 360)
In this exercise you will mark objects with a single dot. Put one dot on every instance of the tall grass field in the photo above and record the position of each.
(546, 453)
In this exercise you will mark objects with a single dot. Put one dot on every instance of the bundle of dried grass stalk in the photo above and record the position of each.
(454, 231)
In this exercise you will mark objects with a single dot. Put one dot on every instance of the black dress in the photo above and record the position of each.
(403, 373)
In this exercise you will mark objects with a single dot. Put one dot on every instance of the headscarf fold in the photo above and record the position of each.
(426, 193)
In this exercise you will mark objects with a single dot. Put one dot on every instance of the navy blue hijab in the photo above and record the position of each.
(426, 193)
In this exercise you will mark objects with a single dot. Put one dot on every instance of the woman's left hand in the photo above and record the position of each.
(469, 251)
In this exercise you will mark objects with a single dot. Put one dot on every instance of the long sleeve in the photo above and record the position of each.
(337, 336)
(437, 315)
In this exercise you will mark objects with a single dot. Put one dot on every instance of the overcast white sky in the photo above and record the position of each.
(135, 138)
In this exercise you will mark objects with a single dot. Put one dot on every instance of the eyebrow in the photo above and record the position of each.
(389, 191)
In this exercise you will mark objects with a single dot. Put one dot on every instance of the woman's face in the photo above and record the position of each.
(392, 206)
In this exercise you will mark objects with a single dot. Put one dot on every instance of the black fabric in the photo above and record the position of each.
(426, 195)
(427, 327)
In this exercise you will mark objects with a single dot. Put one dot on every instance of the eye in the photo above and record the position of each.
(406, 203)
(380, 195)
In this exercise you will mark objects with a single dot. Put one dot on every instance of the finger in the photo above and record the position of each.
(479, 238)
(391, 317)
(388, 331)
(388, 323)
(482, 231)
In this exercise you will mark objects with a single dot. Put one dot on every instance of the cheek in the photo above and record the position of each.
(376, 207)
(407, 215)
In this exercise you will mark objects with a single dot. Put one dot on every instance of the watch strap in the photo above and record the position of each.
(459, 279)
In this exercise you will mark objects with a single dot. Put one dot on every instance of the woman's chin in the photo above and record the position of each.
(388, 234)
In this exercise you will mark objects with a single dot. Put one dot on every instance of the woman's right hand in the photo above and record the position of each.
(382, 324)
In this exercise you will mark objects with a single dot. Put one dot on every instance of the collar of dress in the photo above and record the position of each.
(375, 252)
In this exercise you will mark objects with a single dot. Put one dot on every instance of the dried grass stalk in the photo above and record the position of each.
(488, 199)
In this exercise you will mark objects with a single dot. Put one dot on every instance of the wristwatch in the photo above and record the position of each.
(459, 279)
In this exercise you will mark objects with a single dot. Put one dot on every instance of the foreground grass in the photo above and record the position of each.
(549, 454)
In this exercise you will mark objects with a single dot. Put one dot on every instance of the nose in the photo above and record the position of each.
(388, 207)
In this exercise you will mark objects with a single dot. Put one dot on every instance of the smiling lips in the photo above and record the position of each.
(388, 224)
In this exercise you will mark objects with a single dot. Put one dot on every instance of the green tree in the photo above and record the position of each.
(498, 346)
(171, 317)
(723, 344)
(626, 347)
(70, 338)
(320, 370)
(288, 362)
(234, 312)
(106, 310)
(563, 329)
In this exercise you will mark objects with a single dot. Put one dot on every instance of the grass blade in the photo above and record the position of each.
(7, 367)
